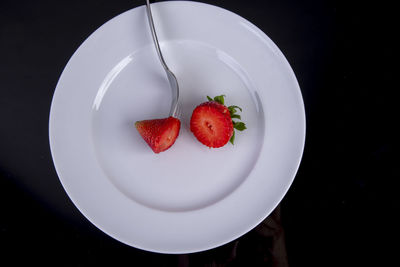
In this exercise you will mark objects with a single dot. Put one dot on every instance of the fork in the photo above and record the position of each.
(173, 82)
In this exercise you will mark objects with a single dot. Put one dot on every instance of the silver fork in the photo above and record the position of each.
(173, 82)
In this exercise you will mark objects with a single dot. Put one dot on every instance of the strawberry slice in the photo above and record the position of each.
(159, 134)
(212, 124)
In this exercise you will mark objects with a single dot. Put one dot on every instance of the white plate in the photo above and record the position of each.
(189, 198)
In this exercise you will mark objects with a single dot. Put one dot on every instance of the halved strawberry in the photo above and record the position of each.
(212, 124)
(159, 134)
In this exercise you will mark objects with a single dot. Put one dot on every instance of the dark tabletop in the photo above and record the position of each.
(335, 213)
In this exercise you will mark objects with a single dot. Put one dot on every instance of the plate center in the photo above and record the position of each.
(189, 175)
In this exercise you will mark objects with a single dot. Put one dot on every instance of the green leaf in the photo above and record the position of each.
(232, 138)
(234, 108)
(236, 116)
(240, 126)
(209, 98)
(220, 99)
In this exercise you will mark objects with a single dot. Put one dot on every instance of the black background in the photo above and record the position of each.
(339, 209)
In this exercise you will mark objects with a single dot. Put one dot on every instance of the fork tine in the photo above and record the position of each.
(178, 113)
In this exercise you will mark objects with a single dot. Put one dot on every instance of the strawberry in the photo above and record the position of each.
(159, 134)
(212, 124)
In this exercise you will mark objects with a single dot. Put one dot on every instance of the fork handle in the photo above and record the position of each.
(171, 76)
(154, 35)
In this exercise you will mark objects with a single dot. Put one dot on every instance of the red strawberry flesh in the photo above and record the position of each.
(159, 134)
(211, 124)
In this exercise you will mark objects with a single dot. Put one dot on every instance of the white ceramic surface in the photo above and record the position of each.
(189, 198)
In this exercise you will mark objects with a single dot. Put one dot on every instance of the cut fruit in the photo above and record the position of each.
(159, 134)
(211, 124)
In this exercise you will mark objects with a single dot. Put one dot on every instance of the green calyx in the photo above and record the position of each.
(237, 125)
(220, 99)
